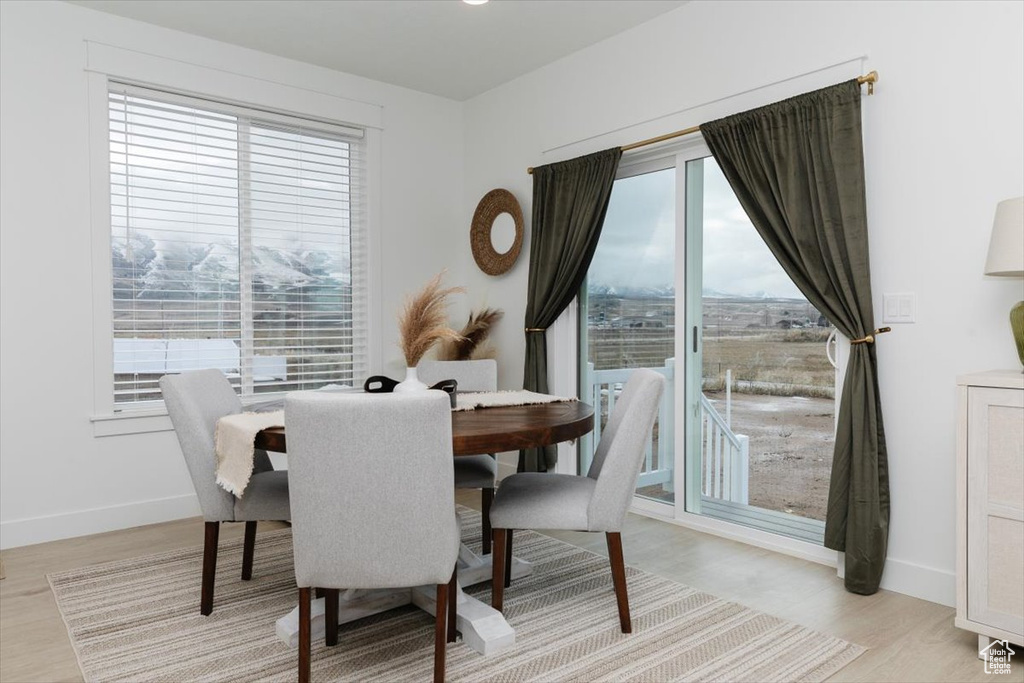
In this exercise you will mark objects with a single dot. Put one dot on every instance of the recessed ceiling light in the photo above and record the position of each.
(475, 2)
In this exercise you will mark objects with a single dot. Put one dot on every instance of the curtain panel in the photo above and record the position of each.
(570, 199)
(797, 168)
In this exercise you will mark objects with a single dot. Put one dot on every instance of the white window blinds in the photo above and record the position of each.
(236, 243)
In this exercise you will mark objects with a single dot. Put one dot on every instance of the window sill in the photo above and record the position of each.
(131, 422)
(152, 420)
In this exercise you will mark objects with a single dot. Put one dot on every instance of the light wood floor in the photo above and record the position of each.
(907, 639)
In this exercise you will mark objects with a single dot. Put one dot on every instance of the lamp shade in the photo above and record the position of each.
(1006, 249)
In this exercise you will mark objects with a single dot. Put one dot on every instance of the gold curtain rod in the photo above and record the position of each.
(869, 78)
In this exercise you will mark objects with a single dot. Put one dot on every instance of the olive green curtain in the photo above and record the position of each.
(797, 168)
(570, 199)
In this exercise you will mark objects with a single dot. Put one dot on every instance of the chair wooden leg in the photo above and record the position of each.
(440, 634)
(619, 579)
(305, 633)
(486, 498)
(248, 550)
(209, 567)
(453, 600)
(508, 559)
(498, 569)
(331, 616)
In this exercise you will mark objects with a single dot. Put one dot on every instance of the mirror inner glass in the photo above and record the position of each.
(503, 232)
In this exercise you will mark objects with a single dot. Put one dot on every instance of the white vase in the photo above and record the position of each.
(410, 383)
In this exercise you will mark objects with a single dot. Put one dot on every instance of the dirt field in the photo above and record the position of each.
(790, 451)
(790, 358)
(783, 384)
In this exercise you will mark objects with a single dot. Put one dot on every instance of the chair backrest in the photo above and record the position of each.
(616, 465)
(195, 401)
(472, 375)
(371, 483)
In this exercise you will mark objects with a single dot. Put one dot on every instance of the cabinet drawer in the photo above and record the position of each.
(995, 508)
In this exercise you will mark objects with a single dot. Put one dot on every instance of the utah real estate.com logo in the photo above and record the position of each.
(997, 657)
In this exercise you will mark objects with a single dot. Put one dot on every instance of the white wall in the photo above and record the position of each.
(943, 143)
(56, 478)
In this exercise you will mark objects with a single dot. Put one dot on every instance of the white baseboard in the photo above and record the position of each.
(917, 581)
(900, 576)
(19, 532)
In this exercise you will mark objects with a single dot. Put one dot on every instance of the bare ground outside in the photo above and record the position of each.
(783, 388)
(790, 451)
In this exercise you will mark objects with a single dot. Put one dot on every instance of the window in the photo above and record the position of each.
(237, 243)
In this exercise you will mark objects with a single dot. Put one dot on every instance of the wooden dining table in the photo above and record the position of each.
(493, 430)
(484, 430)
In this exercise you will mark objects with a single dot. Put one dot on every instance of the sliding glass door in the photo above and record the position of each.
(760, 381)
(682, 283)
(628, 318)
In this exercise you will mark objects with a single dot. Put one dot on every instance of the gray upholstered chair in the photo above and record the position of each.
(596, 502)
(195, 401)
(471, 471)
(373, 502)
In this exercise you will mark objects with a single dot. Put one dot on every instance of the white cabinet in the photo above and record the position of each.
(990, 504)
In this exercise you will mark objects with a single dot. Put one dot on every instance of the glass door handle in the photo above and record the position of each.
(695, 339)
(829, 344)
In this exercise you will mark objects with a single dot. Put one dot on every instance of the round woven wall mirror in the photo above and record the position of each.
(497, 215)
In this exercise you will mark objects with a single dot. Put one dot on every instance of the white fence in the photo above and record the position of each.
(725, 455)
(605, 386)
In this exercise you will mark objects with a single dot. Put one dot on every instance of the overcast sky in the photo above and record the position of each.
(637, 247)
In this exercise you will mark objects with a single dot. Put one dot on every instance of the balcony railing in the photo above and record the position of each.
(725, 455)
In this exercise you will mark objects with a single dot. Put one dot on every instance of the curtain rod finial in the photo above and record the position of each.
(870, 78)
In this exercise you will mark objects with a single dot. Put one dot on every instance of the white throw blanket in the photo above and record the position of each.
(234, 444)
(235, 437)
(496, 399)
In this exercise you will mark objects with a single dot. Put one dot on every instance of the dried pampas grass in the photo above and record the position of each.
(470, 344)
(424, 320)
(485, 350)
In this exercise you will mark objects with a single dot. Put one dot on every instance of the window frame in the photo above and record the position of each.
(107, 65)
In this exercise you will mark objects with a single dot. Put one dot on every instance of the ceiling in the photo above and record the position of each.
(444, 47)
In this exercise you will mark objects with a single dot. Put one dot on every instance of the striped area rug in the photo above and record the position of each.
(138, 620)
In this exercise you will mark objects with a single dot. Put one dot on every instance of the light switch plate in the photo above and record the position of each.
(899, 308)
